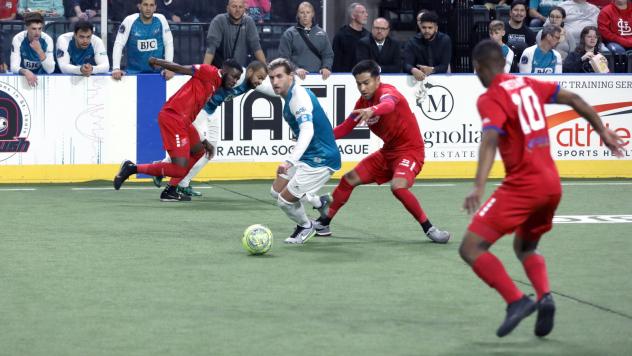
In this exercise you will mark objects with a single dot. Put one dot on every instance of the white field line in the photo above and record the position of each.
(128, 188)
(16, 189)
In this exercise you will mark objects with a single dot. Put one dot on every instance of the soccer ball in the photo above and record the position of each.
(257, 239)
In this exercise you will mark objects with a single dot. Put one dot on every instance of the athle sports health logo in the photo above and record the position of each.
(15, 122)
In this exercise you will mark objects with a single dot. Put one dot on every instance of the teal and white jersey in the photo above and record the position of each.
(509, 57)
(142, 41)
(534, 60)
(23, 56)
(301, 105)
(70, 58)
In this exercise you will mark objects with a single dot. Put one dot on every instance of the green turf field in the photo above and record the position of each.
(93, 271)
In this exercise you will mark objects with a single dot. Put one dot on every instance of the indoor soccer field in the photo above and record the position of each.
(86, 270)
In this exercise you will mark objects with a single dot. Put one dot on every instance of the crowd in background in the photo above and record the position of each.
(546, 36)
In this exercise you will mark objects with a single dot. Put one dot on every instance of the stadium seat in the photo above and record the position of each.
(188, 42)
(9, 29)
(502, 13)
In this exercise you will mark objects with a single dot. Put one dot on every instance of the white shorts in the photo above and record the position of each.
(304, 179)
(208, 127)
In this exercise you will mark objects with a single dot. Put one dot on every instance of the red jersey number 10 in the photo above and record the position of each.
(529, 110)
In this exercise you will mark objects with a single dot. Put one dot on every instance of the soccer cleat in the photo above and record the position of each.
(171, 194)
(438, 236)
(157, 179)
(189, 191)
(127, 169)
(516, 311)
(321, 228)
(325, 201)
(546, 312)
(301, 234)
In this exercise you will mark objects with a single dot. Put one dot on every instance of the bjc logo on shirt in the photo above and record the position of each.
(147, 45)
(30, 65)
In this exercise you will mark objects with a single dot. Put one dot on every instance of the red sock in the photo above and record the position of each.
(535, 267)
(192, 160)
(340, 196)
(489, 268)
(162, 169)
(410, 203)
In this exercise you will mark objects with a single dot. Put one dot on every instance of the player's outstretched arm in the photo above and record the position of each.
(609, 137)
(174, 67)
(486, 155)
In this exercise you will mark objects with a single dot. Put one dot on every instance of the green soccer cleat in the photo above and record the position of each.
(189, 191)
(157, 180)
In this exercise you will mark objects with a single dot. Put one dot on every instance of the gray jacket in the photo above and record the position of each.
(221, 37)
(293, 47)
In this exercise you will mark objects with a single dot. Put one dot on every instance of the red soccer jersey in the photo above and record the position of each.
(514, 106)
(193, 95)
(398, 129)
(8, 8)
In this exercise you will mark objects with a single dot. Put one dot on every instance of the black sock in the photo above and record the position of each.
(324, 221)
(426, 225)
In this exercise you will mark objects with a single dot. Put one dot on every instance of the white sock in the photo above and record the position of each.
(294, 211)
(314, 200)
(274, 194)
(197, 167)
(167, 158)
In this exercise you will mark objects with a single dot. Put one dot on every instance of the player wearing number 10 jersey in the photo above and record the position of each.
(512, 111)
(399, 161)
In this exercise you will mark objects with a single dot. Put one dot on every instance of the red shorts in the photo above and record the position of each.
(529, 215)
(178, 135)
(376, 168)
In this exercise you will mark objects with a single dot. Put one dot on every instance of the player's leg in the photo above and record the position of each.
(405, 170)
(196, 151)
(208, 129)
(494, 219)
(525, 246)
(157, 180)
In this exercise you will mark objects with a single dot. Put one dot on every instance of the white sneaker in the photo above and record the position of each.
(301, 234)
(438, 236)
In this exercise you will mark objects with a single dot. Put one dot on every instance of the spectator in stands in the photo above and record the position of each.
(615, 26)
(567, 44)
(539, 10)
(205, 11)
(429, 51)
(84, 10)
(81, 52)
(177, 11)
(144, 34)
(579, 14)
(496, 33)
(347, 37)
(381, 48)
(600, 3)
(518, 36)
(578, 61)
(543, 58)
(32, 49)
(3, 63)
(307, 45)
(259, 10)
(8, 9)
(50, 9)
(118, 10)
(233, 35)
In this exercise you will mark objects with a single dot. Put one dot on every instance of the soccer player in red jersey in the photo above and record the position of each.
(399, 161)
(512, 111)
(180, 138)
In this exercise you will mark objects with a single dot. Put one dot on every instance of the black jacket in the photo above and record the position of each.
(389, 58)
(344, 47)
(436, 53)
(574, 64)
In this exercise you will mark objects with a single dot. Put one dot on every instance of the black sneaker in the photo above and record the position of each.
(322, 226)
(546, 312)
(516, 311)
(171, 194)
(127, 169)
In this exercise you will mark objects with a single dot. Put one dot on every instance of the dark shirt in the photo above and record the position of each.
(518, 40)
(344, 47)
(436, 53)
(389, 58)
(181, 8)
(574, 63)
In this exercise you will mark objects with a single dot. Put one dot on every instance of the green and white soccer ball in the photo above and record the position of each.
(257, 239)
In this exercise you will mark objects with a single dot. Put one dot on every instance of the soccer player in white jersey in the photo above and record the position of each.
(81, 52)
(32, 50)
(144, 35)
(543, 58)
(315, 156)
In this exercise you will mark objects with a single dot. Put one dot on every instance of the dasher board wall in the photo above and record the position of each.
(71, 128)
